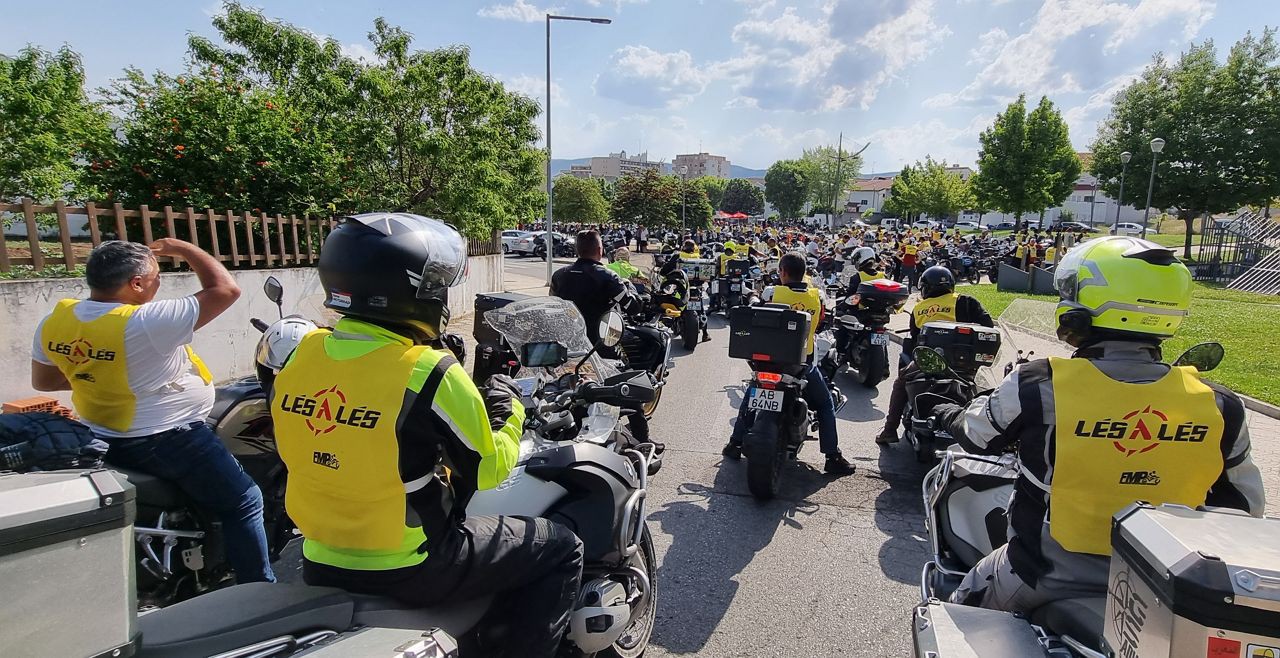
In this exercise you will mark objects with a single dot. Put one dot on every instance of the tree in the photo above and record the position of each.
(696, 211)
(899, 202)
(1209, 164)
(47, 124)
(830, 172)
(417, 130)
(713, 187)
(936, 191)
(646, 199)
(578, 201)
(740, 195)
(1026, 163)
(786, 186)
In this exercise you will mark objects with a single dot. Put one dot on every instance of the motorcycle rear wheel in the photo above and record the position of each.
(765, 451)
(875, 367)
(690, 326)
(635, 639)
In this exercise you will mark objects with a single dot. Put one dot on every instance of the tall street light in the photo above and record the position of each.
(1124, 166)
(1157, 145)
(683, 170)
(550, 241)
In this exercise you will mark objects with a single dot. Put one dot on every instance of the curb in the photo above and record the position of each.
(1264, 408)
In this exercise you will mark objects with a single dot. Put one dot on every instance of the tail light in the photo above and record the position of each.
(768, 379)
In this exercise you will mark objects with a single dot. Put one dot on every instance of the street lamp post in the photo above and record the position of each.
(548, 237)
(683, 170)
(1124, 166)
(1157, 145)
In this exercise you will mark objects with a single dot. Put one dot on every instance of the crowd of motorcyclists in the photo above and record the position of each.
(388, 523)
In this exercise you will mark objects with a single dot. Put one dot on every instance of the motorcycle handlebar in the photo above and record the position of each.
(259, 325)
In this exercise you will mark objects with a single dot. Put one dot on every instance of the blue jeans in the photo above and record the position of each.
(820, 403)
(195, 460)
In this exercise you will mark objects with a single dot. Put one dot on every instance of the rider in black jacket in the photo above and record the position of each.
(591, 286)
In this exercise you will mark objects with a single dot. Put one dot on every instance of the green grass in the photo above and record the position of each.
(1246, 324)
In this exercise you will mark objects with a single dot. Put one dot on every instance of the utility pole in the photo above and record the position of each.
(837, 183)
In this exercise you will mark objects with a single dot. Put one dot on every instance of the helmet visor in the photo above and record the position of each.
(445, 250)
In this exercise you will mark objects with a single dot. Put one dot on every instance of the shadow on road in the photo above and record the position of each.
(899, 513)
(710, 546)
(861, 406)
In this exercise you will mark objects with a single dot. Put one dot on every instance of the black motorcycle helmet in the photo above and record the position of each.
(393, 268)
(937, 281)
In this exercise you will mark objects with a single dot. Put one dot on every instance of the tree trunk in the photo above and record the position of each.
(1190, 218)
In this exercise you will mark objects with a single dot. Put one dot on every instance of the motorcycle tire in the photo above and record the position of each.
(974, 277)
(875, 367)
(690, 328)
(648, 408)
(635, 639)
(765, 450)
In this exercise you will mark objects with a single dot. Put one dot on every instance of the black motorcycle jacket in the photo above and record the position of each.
(593, 288)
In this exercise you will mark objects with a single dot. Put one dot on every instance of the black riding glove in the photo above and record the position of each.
(454, 343)
(501, 394)
(949, 417)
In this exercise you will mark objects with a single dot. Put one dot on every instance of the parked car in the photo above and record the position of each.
(967, 226)
(926, 224)
(524, 244)
(1072, 226)
(1129, 228)
(510, 238)
(889, 223)
(1004, 226)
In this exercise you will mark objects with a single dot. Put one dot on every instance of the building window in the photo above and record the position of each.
(1087, 198)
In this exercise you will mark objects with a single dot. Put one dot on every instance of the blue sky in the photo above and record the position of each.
(754, 80)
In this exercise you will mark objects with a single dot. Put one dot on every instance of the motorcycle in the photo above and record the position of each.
(736, 287)
(699, 273)
(965, 348)
(180, 545)
(780, 418)
(646, 345)
(563, 247)
(577, 466)
(964, 266)
(861, 327)
(669, 306)
(966, 497)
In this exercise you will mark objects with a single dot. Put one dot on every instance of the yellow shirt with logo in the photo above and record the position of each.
(935, 309)
(801, 297)
(1118, 442)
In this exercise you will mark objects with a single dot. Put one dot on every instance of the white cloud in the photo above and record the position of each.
(904, 144)
(517, 11)
(641, 76)
(535, 87)
(1082, 119)
(989, 45)
(359, 52)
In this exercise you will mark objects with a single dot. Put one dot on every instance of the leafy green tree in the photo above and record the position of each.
(606, 189)
(830, 172)
(202, 140)
(713, 187)
(1053, 159)
(938, 192)
(1209, 164)
(900, 200)
(740, 195)
(696, 211)
(1005, 159)
(578, 201)
(418, 130)
(646, 199)
(47, 126)
(786, 186)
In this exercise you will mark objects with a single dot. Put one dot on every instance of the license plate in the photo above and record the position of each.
(763, 399)
(879, 339)
(735, 287)
(695, 306)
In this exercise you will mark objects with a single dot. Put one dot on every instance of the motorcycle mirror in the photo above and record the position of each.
(1203, 357)
(611, 328)
(929, 361)
(275, 292)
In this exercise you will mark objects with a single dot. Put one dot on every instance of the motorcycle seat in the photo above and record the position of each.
(153, 491)
(455, 617)
(1081, 618)
(242, 615)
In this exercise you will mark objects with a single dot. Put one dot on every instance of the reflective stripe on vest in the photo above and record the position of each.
(805, 299)
(1117, 443)
(336, 407)
(936, 309)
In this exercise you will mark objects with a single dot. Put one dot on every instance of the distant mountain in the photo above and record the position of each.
(560, 164)
(745, 172)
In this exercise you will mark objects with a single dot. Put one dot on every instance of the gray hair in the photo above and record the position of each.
(112, 263)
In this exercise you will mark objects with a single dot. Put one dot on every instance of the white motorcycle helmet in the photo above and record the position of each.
(861, 255)
(280, 340)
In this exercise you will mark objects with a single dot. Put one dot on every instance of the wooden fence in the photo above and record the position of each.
(241, 240)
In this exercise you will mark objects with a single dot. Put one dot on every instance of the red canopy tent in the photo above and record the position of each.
(736, 215)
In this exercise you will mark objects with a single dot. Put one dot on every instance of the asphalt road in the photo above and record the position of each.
(829, 568)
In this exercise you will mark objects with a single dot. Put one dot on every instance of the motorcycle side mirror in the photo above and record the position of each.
(929, 361)
(275, 292)
(1203, 357)
(611, 328)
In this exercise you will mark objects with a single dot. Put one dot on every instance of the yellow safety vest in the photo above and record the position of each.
(936, 309)
(91, 355)
(1018, 253)
(804, 299)
(863, 276)
(1051, 255)
(335, 419)
(1117, 443)
(685, 255)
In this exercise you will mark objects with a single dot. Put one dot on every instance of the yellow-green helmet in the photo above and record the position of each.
(1124, 284)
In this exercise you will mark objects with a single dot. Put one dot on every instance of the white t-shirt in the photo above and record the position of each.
(167, 385)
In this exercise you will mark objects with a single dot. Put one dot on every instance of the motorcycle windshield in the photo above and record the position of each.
(1028, 325)
(548, 319)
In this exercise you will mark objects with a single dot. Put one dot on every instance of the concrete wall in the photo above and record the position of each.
(226, 344)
